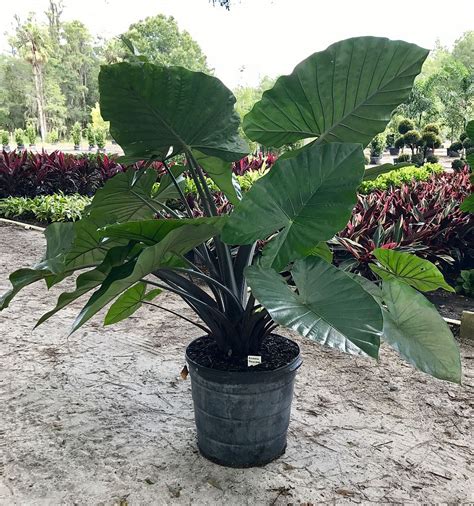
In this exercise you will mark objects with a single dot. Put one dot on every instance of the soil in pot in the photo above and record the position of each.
(242, 413)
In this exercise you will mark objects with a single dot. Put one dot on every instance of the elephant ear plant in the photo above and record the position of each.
(134, 242)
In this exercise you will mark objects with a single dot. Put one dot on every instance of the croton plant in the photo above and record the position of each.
(131, 245)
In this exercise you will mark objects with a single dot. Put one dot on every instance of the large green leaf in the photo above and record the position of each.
(345, 93)
(305, 199)
(152, 231)
(19, 279)
(59, 238)
(176, 243)
(329, 306)
(159, 111)
(220, 172)
(125, 197)
(416, 330)
(130, 301)
(93, 278)
(419, 273)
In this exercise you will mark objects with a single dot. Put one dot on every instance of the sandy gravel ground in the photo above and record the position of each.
(103, 417)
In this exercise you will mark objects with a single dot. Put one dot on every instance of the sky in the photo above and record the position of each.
(265, 37)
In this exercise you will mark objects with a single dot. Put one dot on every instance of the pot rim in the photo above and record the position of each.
(250, 374)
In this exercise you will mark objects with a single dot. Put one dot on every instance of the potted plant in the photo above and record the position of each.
(377, 145)
(405, 125)
(53, 136)
(19, 136)
(31, 134)
(399, 144)
(130, 246)
(455, 149)
(100, 139)
(90, 134)
(5, 139)
(76, 134)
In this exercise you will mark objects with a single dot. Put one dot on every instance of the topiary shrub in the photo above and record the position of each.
(432, 159)
(412, 138)
(432, 127)
(431, 139)
(455, 146)
(402, 158)
(417, 159)
(400, 143)
(405, 126)
(458, 164)
(463, 136)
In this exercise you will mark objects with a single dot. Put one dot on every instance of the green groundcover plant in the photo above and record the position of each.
(130, 246)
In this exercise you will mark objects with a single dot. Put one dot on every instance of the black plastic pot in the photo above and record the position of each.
(375, 160)
(242, 418)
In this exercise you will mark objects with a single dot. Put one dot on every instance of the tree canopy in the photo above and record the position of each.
(50, 76)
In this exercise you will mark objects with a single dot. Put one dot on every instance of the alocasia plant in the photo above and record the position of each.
(131, 239)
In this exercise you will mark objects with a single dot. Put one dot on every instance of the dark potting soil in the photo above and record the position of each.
(276, 351)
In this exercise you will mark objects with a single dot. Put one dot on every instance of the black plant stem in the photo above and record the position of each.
(178, 188)
(205, 329)
(223, 251)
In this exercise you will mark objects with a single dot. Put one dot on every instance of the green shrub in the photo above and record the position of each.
(455, 146)
(390, 140)
(467, 143)
(463, 136)
(402, 158)
(432, 127)
(53, 136)
(4, 137)
(405, 126)
(100, 138)
(417, 159)
(19, 135)
(431, 140)
(458, 164)
(31, 134)
(45, 208)
(398, 177)
(469, 151)
(465, 283)
(400, 143)
(432, 159)
(412, 137)
(90, 134)
(76, 133)
(377, 145)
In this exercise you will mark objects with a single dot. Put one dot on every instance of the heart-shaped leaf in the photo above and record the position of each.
(304, 200)
(328, 307)
(345, 93)
(419, 273)
(417, 331)
(162, 111)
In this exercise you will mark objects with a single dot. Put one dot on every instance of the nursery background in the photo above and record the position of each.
(104, 415)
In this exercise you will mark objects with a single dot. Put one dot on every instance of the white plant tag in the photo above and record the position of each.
(253, 360)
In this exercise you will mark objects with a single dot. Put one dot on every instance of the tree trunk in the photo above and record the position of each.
(40, 100)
